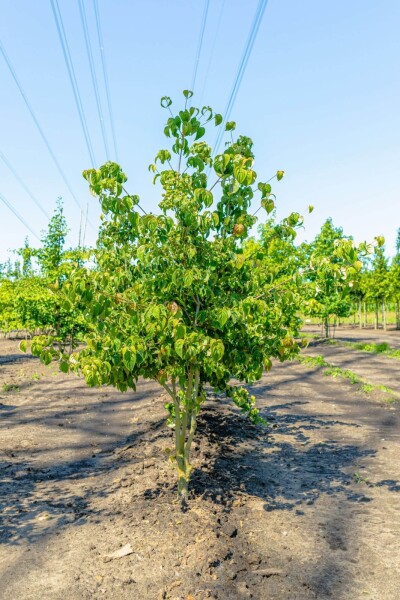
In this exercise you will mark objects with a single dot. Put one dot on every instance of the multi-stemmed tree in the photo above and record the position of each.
(185, 296)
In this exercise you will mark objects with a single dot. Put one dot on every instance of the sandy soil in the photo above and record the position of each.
(308, 507)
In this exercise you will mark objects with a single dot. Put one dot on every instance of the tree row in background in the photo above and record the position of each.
(32, 298)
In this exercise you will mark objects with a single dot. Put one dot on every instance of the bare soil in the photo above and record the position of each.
(308, 507)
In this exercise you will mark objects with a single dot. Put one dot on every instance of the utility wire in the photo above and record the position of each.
(93, 74)
(242, 67)
(200, 44)
(38, 127)
(23, 184)
(72, 77)
(105, 76)
(219, 21)
(16, 213)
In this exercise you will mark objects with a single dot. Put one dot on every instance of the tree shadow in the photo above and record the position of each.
(36, 501)
(16, 358)
(281, 474)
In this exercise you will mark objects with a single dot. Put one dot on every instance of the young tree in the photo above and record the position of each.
(334, 263)
(26, 254)
(185, 297)
(378, 280)
(395, 279)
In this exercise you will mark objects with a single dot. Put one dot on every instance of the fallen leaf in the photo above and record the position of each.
(121, 552)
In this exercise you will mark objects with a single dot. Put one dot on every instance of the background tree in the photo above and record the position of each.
(394, 280)
(31, 291)
(334, 263)
(378, 281)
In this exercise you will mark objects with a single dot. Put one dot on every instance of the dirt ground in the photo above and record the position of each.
(308, 507)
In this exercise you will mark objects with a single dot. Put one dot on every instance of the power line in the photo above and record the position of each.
(72, 77)
(16, 213)
(38, 126)
(219, 21)
(105, 76)
(93, 74)
(242, 67)
(23, 184)
(200, 44)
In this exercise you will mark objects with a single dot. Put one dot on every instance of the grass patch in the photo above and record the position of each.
(382, 348)
(313, 361)
(331, 370)
(343, 374)
(10, 387)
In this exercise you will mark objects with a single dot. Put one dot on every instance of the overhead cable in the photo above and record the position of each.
(200, 44)
(219, 21)
(89, 51)
(23, 184)
(242, 67)
(105, 76)
(38, 126)
(16, 213)
(72, 77)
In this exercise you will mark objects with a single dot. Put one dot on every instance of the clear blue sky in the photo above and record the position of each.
(320, 97)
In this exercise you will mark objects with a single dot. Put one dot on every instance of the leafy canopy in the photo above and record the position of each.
(185, 296)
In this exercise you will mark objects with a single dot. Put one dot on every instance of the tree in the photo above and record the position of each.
(185, 296)
(32, 296)
(378, 280)
(394, 279)
(334, 264)
(26, 253)
(51, 255)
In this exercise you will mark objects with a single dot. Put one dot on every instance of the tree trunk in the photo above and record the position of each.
(376, 316)
(326, 326)
(397, 315)
(184, 469)
(186, 408)
(384, 315)
(360, 314)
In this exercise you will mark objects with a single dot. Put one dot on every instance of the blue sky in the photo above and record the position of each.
(320, 98)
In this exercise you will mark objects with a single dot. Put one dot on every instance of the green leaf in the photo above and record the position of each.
(241, 175)
(187, 279)
(184, 116)
(204, 196)
(200, 132)
(264, 188)
(223, 316)
(217, 350)
(279, 175)
(129, 358)
(64, 366)
(218, 119)
(267, 364)
(268, 204)
(46, 357)
(166, 101)
(310, 208)
(180, 331)
(187, 93)
(221, 163)
(179, 347)
(23, 345)
(230, 126)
